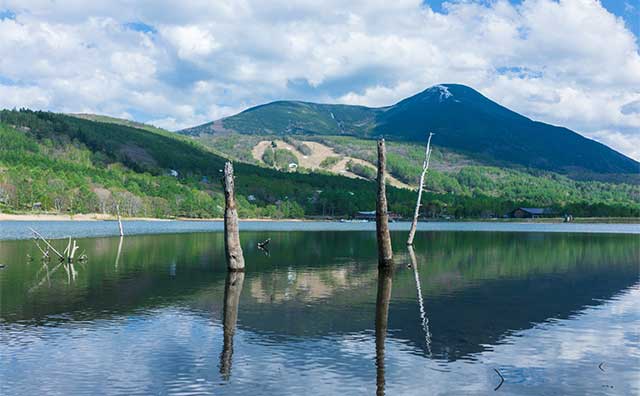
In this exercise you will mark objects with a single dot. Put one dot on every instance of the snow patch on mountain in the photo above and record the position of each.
(444, 92)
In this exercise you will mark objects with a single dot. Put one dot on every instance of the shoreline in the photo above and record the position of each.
(106, 217)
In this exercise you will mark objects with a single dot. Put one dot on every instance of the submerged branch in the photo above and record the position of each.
(47, 243)
(501, 380)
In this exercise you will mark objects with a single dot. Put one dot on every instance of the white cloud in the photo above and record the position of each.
(628, 144)
(567, 62)
(191, 42)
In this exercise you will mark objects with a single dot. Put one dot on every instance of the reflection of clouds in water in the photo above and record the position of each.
(173, 351)
(142, 354)
(557, 357)
(306, 286)
(594, 331)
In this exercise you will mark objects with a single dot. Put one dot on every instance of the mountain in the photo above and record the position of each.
(463, 119)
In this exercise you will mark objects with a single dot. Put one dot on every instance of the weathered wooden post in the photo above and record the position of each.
(385, 253)
(119, 220)
(232, 248)
(425, 168)
(385, 278)
(232, 290)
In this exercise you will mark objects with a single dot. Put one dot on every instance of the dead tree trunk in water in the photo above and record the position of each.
(382, 317)
(232, 248)
(232, 290)
(119, 220)
(385, 253)
(425, 167)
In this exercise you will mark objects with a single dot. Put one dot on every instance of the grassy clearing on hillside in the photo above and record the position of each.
(361, 170)
(279, 158)
(329, 162)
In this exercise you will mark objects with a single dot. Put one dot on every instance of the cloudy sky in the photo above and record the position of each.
(574, 63)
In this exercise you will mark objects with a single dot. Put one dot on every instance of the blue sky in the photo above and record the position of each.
(574, 63)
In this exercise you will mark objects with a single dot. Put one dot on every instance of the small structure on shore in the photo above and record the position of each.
(530, 213)
(371, 215)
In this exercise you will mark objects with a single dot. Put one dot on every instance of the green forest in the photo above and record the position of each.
(56, 163)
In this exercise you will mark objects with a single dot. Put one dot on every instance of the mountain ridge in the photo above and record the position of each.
(462, 118)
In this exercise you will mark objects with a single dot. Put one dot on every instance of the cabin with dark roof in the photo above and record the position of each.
(530, 213)
(371, 216)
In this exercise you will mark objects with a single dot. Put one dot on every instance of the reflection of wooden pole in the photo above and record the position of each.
(119, 220)
(425, 168)
(232, 248)
(382, 316)
(119, 251)
(385, 254)
(232, 290)
(424, 321)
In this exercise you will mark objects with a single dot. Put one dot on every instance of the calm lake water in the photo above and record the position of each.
(555, 313)
(63, 229)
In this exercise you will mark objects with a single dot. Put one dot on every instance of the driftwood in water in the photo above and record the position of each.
(232, 290)
(385, 253)
(232, 248)
(383, 297)
(119, 220)
(37, 234)
(71, 249)
(425, 168)
(68, 254)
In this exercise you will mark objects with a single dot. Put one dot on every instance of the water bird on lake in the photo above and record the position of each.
(264, 244)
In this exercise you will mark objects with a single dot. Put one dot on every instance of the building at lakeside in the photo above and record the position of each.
(371, 216)
(530, 213)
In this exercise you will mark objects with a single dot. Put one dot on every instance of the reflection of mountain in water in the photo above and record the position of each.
(477, 287)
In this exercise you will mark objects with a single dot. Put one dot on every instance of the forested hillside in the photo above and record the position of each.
(57, 163)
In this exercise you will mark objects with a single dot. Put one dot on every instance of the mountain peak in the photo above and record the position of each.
(441, 90)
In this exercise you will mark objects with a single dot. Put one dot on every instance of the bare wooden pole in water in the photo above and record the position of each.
(232, 290)
(425, 168)
(119, 220)
(383, 297)
(232, 248)
(385, 253)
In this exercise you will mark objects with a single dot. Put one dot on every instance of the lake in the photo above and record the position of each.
(552, 312)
